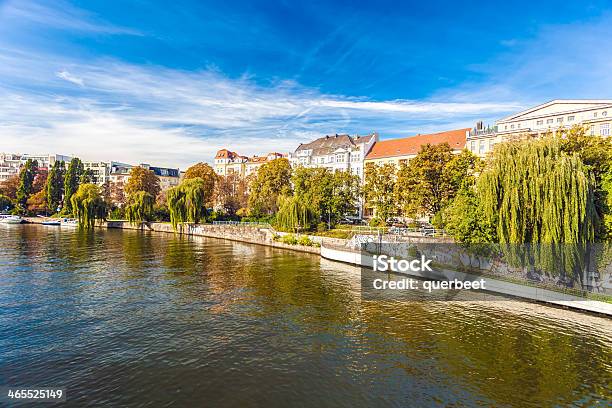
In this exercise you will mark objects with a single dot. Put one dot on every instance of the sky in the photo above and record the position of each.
(170, 83)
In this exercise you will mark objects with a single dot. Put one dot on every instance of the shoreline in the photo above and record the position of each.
(265, 236)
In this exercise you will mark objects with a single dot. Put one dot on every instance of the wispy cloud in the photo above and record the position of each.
(133, 113)
(60, 15)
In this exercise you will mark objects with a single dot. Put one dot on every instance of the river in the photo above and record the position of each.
(127, 318)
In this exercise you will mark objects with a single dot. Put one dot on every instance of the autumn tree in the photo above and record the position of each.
(231, 193)
(208, 176)
(37, 203)
(379, 188)
(142, 179)
(430, 180)
(88, 205)
(272, 180)
(10, 186)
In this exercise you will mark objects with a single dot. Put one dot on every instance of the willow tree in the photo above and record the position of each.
(536, 194)
(294, 214)
(139, 207)
(88, 205)
(187, 201)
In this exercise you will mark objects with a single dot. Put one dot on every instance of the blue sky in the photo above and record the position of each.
(171, 82)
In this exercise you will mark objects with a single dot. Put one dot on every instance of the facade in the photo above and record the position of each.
(101, 171)
(10, 164)
(398, 151)
(168, 177)
(336, 153)
(595, 114)
(228, 162)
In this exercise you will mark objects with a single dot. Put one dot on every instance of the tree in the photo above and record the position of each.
(379, 189)
(294, 214)
(272, 181)
(535, 193)
(87, 176)
(139, 207)
(431, 179)
(37, 203)
(26, 182)
(464, 220)
(142, 179)
(88, 205)
(187, 201)
(203, 171)
(231, 193)
(330, 195)
(596, 153)
(55, 185)
(71, 183)
(9, 187)
(6, 203)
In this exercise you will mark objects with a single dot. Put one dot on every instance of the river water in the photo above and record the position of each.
(126, 318)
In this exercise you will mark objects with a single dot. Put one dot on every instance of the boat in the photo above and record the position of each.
(10, 219)
(51, 222)
(70, 222)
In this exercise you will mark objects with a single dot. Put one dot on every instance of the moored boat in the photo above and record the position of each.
(10, 219)
(52, 222)
(70, 222)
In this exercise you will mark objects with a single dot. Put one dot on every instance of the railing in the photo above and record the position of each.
(241, 223)
(480, 132)
(423, 231)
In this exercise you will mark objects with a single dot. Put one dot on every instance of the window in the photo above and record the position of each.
(511, 126)
(518, 126)
(559, 120)
(592, 130)
(473, 147)
(604, 129)
(339, 158)
(594, 114)
(549, 121)
(481, 147)
(506, 127)
(604, 113)
(570, 118)
(540, 122)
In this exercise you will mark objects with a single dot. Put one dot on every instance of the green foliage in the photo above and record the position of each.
(431, 179)
(187, 201)
(377, 222)
(117, 213)
(330, 195)
(87, 176)
(26, 181)
(534, 193)
(71, 183)
(464, 220)
(139, 207)
(88, 205)
(55, 185)
(379, 189)
(6, 204)
(291, 239)
(272, 181)
(294, 214)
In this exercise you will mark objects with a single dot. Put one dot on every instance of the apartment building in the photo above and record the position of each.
(100, 170)
(335, 152)
(168, 177)
(228, 162)
(10, 163)
(398, 151)
(595, 114)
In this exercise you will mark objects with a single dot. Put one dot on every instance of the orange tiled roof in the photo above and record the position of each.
(412, 145)
(225, 154)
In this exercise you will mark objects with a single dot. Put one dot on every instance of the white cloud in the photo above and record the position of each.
(69, 77)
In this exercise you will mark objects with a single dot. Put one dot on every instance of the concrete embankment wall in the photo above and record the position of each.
(493, 285)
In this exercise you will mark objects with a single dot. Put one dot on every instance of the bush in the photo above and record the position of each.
(117, 213)
(377, 222)
(321, 227)
(289, 239)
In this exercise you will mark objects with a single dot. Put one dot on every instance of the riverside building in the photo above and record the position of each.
(595, 114)
(228, 162)
(398, 151)
(10, 163)
(335, 152)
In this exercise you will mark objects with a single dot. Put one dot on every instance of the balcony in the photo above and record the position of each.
(489, 131)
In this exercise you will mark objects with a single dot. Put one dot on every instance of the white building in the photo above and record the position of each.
(10, 164)
(101, 171)
(596, 114)
(336, 153)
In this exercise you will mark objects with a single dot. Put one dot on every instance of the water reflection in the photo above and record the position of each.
(144, 319)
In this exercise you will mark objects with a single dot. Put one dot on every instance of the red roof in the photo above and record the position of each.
(412, 145)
